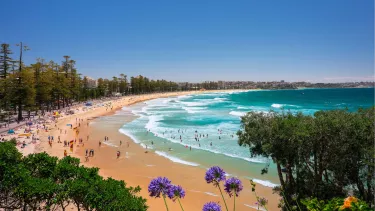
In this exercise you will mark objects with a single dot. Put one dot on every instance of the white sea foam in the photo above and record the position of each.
(175, 159)
(255, 207)
(244, 107)
(127, 133)
(253, 160)
(265, 183)
(184, 96)
(146, 146)
(153, 122)
(211, 194)
(192, 110)
(237, 113)
(109, 144)
(194, 103)
(275, 105)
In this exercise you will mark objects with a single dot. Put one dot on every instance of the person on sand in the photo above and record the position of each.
(87, 151)
(120, 142)
(65, 153)
(118, 154)
(100, 143)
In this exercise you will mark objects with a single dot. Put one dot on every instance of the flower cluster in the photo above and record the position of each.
(176, 191)
(160, 185)
(348, 202)
(211, 206)
(233, 186)
(215, 175)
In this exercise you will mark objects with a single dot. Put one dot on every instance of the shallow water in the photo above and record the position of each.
(173, 123)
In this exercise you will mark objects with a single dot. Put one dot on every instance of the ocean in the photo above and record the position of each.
(170, 126)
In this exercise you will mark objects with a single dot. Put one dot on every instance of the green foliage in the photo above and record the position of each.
(47, 86)
(326, 155)
(40, 181)
(335, 204)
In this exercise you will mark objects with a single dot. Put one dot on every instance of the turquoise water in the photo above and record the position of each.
(176, 124)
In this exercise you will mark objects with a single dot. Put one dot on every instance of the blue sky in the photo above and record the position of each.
(196, 40)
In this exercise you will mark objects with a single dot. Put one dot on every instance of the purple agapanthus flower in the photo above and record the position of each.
(160, 185)
(214, 175)
(211, 206)
(176, 191)
(233, 186)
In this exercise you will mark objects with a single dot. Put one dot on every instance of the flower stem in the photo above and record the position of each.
(234, 203)
(298, 205)
(223, 197)
(180, 204)
(165, 202)
(286, 201)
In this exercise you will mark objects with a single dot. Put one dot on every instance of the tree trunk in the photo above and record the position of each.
(279, 172)
(19, 109)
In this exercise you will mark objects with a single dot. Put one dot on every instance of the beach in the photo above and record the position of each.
(135, 166)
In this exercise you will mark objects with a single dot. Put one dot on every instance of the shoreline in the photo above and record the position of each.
(142, 166)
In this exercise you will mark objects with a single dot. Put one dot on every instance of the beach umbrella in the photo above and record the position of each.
(10, 131)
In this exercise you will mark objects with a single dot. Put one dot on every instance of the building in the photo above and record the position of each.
(91, 83)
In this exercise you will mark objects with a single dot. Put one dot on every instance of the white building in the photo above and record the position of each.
(91, 83)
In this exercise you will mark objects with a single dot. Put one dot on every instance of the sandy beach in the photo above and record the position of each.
(135, 166)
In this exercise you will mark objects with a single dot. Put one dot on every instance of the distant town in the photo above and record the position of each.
(92, 83)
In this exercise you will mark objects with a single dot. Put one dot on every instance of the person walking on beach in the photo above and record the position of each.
(120, 142)
(118, 154)
(100, 143)
(87, 151)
